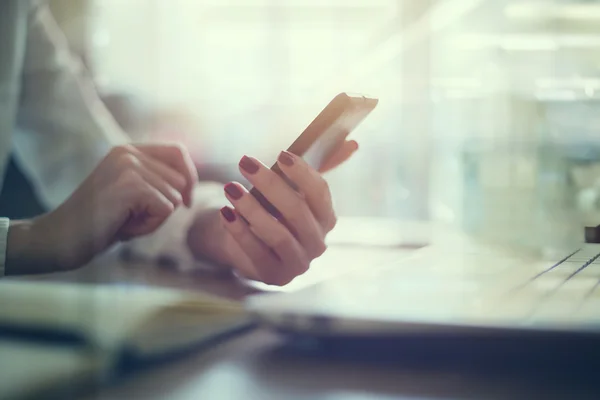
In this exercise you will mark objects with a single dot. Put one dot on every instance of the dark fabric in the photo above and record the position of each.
(17, 198)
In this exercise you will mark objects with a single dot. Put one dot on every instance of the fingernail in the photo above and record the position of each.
(228, 214)
(286, 158)
(234, 191)
(248, 165)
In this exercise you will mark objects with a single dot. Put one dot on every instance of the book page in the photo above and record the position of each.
(105, 315)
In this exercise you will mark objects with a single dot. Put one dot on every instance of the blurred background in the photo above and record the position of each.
(488, 116)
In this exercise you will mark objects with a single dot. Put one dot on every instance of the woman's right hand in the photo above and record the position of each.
(133, 190)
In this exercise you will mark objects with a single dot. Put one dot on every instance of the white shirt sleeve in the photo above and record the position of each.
(4, 223)
(63, 129)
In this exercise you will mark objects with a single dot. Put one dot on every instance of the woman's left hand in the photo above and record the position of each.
(275, 249)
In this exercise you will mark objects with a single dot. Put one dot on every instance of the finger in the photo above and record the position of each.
(269, 231)
(290, 204)
(156, 181)
(179, 158)
(173, 178)
(259, 262)
(237, 257)
(339, 157)
(311, 183)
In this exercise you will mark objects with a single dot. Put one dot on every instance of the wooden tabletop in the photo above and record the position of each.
(260, 365)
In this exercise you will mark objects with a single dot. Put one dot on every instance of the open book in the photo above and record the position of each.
(118, 327)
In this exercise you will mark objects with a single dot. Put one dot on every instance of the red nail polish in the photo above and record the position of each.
(249, 165)
(228, 213)
(234, 191)
(286, 158)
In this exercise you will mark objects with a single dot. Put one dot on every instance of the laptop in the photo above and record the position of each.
(458, 289)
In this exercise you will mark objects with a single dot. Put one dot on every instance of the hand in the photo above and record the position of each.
(129, 194)
(260, 246)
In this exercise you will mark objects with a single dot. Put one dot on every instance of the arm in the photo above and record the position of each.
(131, 192)
(65, 132)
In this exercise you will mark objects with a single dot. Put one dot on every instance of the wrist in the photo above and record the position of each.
(28, 249)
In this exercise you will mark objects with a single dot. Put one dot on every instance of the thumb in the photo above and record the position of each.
(340, 156)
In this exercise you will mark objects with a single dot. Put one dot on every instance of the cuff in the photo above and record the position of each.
(4, 223)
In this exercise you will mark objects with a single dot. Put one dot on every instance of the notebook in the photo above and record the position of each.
(118, 328)
(42, 370)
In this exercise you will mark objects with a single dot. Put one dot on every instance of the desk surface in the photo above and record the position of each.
(259, 366)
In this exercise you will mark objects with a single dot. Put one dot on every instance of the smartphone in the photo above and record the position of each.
(324, 136)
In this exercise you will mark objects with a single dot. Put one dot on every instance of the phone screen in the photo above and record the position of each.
(331, 127)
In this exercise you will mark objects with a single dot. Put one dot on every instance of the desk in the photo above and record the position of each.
(259, 365)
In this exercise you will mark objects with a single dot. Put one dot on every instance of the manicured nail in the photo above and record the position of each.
(249, 165)
(234, 191)
(228, 214)
(286, 158)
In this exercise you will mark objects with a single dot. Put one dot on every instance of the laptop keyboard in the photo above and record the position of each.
(571, 291)
(480, 287)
